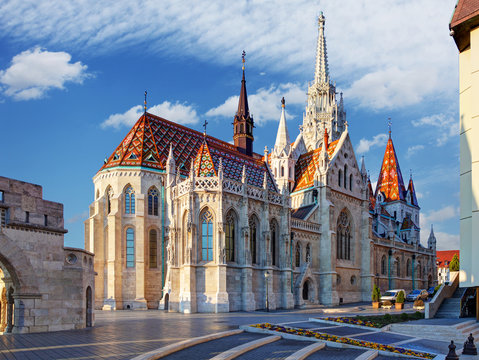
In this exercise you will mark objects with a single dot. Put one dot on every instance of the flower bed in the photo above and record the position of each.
(351, 321)
(343, 340)
(375, 321)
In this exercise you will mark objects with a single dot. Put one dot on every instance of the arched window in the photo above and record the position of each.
(351, 182)
(298, 255)
(153, 202)
(230, 229)
(383, 265)
(340, 176)
(241, 128)
(129, 200)
(275, 172)
(308, 253)
(343, 237)
(398, 267)
(345, 175)
(108, 194)
(130, 247)
(207, 236)
(282, 170)
(153, 249)
(253, 238)
(408, 267)
(274, 234)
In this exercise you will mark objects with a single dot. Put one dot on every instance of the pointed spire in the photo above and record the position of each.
(265, 180)
(220, 168)
(171, 158)
(144, 105)
(282, 137)
(363, 167)
(321, 74)
(412, 191)
(431, 241)
(243, 108)
(326, 138)
(243, 177)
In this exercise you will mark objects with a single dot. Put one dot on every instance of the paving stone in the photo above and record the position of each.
(335, 354)
(383, 337)
(309, 325)
(212, 348)
(277, 350)
(345, 330)
(438, 347)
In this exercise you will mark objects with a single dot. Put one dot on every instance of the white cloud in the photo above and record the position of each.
(414, 149)
(265, 104)
(34, 72)
(365, 54)
(445, 241)
(77, 217)
(365, 145)
(446, 125)
(177, 112)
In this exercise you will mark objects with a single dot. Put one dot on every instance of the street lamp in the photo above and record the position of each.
(266, 276)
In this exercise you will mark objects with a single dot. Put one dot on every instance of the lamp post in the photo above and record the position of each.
(266, 276)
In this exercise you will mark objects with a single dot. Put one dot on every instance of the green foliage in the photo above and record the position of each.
(400, 298)
(454, 264)
(404, 317)
(418, 315)
(382, 320)
(376, 295)
(387, 317)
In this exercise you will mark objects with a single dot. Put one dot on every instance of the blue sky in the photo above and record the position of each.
(72, 78)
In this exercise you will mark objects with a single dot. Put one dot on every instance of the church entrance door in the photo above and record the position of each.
(89, 308)
(306, 290)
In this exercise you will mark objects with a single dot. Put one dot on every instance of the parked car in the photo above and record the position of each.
(430, 291)
(391, 295)
(417, 294)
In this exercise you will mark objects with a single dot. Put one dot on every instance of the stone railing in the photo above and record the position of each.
(233, 187)
(306, 226)
(444, 292)
(255, 193)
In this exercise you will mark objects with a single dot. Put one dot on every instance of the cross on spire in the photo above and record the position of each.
(389, 126)
(144, 106)
(243, 58)
(204, 125)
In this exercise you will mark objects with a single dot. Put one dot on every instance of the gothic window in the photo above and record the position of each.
(351, 182)
(408, 267)
(345, 175)
(274, 235)
(253, 239)
(129, 200)
(383, 265)
(282, 171)
(340, 175)
(109, 194)
(207, 236)
(130, 247)
(241, 129)
(298, 255)
(398, 267)
(290, 173)
(343, 241)
(153, 202)
(230, 236)
(153, 249)
(308, 253)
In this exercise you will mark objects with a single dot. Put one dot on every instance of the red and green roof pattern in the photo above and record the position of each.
(148, 142)
(204, 163)
(390, 181)
(306, 166)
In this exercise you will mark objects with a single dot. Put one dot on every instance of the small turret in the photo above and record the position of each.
(170, 168)
(431, 241)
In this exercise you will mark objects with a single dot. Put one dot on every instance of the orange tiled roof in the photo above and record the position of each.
(307, 164)
(465, 10)
(147, 145)
(390, 181)
(444, 257)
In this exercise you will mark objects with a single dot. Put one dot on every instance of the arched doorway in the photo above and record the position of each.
(6, 301)
(306, 290)
(167, 302)
(89, 308)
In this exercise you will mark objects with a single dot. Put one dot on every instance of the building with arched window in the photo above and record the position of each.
(224, 216)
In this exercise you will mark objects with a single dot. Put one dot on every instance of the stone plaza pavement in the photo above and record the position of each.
(127, 334)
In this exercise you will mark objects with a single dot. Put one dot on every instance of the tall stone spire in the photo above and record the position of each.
(323, 110)
(431, 241)
(283, 141)
(243, 123)
(321, 74)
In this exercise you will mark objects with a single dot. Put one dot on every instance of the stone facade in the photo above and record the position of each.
(187, 222)
(44, 286)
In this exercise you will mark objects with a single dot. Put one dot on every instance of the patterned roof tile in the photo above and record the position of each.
(390, 181)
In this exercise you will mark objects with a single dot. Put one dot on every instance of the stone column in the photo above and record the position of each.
(10, 301)
(109, 302)
(140, 242)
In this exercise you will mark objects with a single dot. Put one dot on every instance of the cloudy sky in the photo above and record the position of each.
(73, 75)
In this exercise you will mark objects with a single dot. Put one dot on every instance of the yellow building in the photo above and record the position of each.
(465, 30)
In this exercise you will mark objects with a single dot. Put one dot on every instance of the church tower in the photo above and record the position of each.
(282, 162)
(243, 123)
(323, 110)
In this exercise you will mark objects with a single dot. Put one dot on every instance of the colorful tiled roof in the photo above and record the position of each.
(411, 189)
(408, 224)
(306, 166)
(390, 181)
(302, 212)
(203, 162)
(444, 257)
(147, 145)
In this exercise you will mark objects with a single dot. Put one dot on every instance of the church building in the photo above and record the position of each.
(187, 222)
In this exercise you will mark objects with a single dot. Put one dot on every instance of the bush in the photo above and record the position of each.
(400, 298)
(404, 317)
(454, 264)
(387, 317)
(418, 302)
(418, 315)
(376, 294)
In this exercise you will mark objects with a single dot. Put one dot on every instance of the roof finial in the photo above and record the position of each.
(204, 125)
(389, 126)
(283, 102)
(144, 106)
(243, 58)
(410, 174)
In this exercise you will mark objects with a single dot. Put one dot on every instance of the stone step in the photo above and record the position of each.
(285, 347)
(465, 324)
(447, 314)
(240, 351)
(470, 328)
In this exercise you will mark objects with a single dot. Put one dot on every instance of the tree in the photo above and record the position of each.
(376, 294)
(454, 264)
